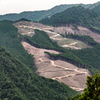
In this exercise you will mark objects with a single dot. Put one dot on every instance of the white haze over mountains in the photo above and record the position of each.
(17, 6)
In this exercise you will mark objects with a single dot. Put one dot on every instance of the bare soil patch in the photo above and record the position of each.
(56, 69)
(27, 28)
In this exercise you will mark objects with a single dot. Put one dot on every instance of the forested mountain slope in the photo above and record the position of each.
(77, 15)
(38, 15)
(18, 82)
(17, 74)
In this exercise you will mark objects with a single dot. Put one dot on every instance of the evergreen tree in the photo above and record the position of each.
(92, 91)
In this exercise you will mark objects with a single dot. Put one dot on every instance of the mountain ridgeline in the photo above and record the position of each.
(74, 15)
(18, 78)
(39, 15)
(19, 82)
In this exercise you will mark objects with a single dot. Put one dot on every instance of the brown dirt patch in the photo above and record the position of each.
(56, 69)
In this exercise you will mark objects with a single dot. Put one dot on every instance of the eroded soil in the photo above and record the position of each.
(27, 28)
(56, 69)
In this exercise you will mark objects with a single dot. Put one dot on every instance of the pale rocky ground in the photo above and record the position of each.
(56, 69)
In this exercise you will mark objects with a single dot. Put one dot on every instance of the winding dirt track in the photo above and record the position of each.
(61, 29)
(56, 69)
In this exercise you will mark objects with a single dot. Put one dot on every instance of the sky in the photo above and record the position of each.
(17, 6)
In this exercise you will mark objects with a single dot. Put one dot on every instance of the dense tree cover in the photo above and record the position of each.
(41, 40)
(92, 92)
(39, 15)
(96, 7)
(74, 98)
(9, 39)
(90, 56)
(86, 39)
(22, 19)
(71, 58)
(76, 15)
(19, 82)
(85, 58)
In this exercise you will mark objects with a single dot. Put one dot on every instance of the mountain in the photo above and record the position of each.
(18, 80)
(9, 39)
(77, 15)
(38, 15)
(95, 7)
(74, 15)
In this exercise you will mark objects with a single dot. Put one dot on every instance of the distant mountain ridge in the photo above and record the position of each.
(77, 15)
(38, 15)
(74, 15)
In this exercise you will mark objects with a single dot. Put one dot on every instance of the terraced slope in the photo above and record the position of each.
(55, 69)
(27, 28)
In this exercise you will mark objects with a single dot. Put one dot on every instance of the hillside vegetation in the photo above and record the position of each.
(39, 15)
(9, 40)
(77, 15)
(18, 82)
(17, 74)
(41, 40)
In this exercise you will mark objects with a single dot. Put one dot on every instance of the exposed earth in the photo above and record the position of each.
(27, 28)
(57, 69)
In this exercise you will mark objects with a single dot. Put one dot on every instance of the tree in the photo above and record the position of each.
(92, 91)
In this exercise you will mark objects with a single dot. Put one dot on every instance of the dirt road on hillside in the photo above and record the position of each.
(27, 28)
(62, 30)
(56, 69)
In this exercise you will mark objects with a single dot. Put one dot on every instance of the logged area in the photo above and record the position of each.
(56, 69)
(27, 28)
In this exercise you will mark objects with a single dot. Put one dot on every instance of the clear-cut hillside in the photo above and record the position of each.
(56, 69)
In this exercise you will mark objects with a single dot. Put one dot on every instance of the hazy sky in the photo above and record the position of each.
(17, 6)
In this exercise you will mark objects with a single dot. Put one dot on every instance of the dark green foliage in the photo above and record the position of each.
(74, 98)
(96, 8)
(90, 56)
(39, 15)
(92, 91)
(77, 15)
(69, 57)
(9, 39)
(22, 19)
(18, 82)
(42, 40)
(86, 39)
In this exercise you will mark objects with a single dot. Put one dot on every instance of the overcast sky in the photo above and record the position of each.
(17, 6)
